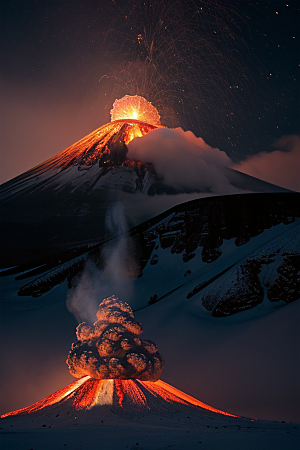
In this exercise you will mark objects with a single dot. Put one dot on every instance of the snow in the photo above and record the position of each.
(247, 364)
(243, 366)
(160, 431)
(169, 271)
(157, 424)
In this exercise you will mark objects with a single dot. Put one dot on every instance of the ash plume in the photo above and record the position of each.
(112, 348)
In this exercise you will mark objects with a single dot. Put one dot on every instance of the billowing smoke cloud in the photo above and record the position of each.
(116, 275)
(112, 349)
(280, 167)
(183, 160)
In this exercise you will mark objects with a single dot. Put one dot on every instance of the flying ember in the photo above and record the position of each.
(137, 108)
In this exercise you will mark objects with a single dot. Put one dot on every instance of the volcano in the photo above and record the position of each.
(135, 414)
(124, 389)
(71, 190)
(121, 365)
(121, 396)
(113, 409)
(62, 203)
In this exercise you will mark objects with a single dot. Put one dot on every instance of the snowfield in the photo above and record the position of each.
(160, 432)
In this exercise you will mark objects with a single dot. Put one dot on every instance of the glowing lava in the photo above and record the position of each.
(131, 117)
(137, 108)
(122, 395)
(96, 148)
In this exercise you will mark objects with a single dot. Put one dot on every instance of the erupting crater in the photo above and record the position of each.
(116, 368)
(135, 107)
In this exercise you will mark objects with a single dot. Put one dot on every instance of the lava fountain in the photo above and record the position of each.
(116, 368)
(136, 110)
(135, 107)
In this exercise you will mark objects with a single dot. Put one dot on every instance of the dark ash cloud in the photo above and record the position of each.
(112, 348)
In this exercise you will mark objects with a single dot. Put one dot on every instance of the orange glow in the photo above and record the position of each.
(162, 388)
(130, 394)
(98, 141)
(51, 399)
(134, 131)
(85, 396)
(137, 129)
(131, 118)
(119, 391)
(135, 107)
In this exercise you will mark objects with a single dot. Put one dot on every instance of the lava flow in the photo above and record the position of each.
(99, 147)
(121, 395)
(115, 367)
(131, 116)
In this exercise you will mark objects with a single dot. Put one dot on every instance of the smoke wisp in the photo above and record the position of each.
(116, 273)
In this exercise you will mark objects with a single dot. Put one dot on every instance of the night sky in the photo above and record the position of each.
(228, 71)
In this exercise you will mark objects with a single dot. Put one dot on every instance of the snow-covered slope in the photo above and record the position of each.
(223, 251)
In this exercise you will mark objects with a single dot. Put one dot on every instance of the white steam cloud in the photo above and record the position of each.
(117, 274)
(280, 167)
(183, 160)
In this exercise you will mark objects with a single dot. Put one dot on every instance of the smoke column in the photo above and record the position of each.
(115, 276)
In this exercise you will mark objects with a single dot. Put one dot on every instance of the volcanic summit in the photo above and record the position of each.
(52, 201)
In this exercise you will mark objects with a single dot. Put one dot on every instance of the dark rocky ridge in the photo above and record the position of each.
(203, 224)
